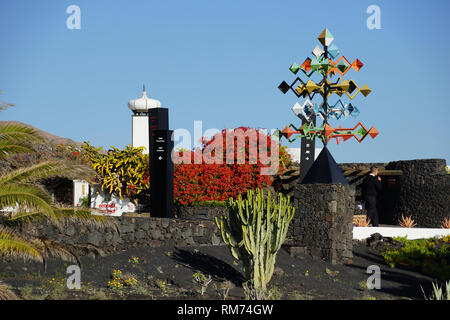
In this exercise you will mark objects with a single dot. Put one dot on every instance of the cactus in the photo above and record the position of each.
(254, 231)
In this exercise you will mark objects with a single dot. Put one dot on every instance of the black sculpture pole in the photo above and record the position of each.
(307, 151)
(161, 165)
(308, 146)
(325, 95)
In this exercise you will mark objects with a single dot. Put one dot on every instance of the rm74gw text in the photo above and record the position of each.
(246, 309)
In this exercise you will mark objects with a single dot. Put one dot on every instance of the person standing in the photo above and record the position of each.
(371, 187)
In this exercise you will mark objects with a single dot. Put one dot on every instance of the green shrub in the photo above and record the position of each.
(430, 256)
(85, 202)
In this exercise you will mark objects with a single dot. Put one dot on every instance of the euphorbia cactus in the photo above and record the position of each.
(254, 230)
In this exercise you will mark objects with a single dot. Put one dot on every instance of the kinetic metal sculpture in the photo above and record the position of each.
(323, 65)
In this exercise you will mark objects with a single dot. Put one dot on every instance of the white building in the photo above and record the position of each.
(139, 125)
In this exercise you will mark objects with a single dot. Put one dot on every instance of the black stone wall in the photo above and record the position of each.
(323, 221)
(121, 233)
(423, 192)
(200, 212)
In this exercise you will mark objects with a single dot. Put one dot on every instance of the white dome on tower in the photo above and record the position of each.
(143, 103)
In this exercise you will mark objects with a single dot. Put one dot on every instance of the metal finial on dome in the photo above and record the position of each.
(143, 87)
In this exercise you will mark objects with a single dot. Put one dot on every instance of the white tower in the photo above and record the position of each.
(139, 126)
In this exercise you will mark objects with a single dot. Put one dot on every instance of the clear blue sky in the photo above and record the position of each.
(221, 62)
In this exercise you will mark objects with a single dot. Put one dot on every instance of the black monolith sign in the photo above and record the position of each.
(161, 165)
(307, 151)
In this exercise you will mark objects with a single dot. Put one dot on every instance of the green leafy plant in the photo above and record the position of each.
(254, 231)
(121, 280)
(203, 280)
(430, 256)
(19, 192)
(84, 202)
(332, 274)
(363, 285)
(162, 285)
(134, 260)
(439, 293)
(121, 172)
(23, 200)
(15, 138)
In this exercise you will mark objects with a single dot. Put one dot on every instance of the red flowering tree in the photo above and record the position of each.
(227, 165)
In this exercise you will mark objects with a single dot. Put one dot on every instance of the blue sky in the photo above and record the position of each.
(221, 62)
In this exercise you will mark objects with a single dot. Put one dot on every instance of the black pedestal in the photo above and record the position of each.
(161, 165)
(161, 174)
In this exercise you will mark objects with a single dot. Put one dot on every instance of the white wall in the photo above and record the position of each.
(80, 189)
(140, 132)
(361, 233)
(113, 207)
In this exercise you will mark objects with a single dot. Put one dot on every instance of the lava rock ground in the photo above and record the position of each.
(295, 278)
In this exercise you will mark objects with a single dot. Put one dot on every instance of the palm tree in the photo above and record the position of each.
(4, 105)
(13, 139)
(20, 194)
(26, 200)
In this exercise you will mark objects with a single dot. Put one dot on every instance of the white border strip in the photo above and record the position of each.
(360, 233)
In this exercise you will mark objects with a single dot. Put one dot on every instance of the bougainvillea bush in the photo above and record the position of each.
(199, 180)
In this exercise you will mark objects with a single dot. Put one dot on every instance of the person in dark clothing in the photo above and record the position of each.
(371, 186)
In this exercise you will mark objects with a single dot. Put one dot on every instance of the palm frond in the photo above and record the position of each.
(18, 133)
(85, 217)
(6, 293)
(54, 249)
(18, 218)
(7, 149)
(32, 197)
(38, 171)
(13, 138)
(15, 246)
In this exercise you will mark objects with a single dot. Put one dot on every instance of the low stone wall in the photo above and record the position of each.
(323, 221)
(208, 213)
(121, 233)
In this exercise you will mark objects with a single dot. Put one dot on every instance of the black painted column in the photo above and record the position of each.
(307, 151)
(161, 165)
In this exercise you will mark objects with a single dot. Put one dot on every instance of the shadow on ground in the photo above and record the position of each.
(207, 264)
(399, 282)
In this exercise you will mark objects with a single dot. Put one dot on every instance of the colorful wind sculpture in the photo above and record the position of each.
(327, 63)
(323, 64)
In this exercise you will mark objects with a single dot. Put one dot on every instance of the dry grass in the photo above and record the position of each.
(6, 293)
(407, 222)
(446, 223)
(361, 221)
